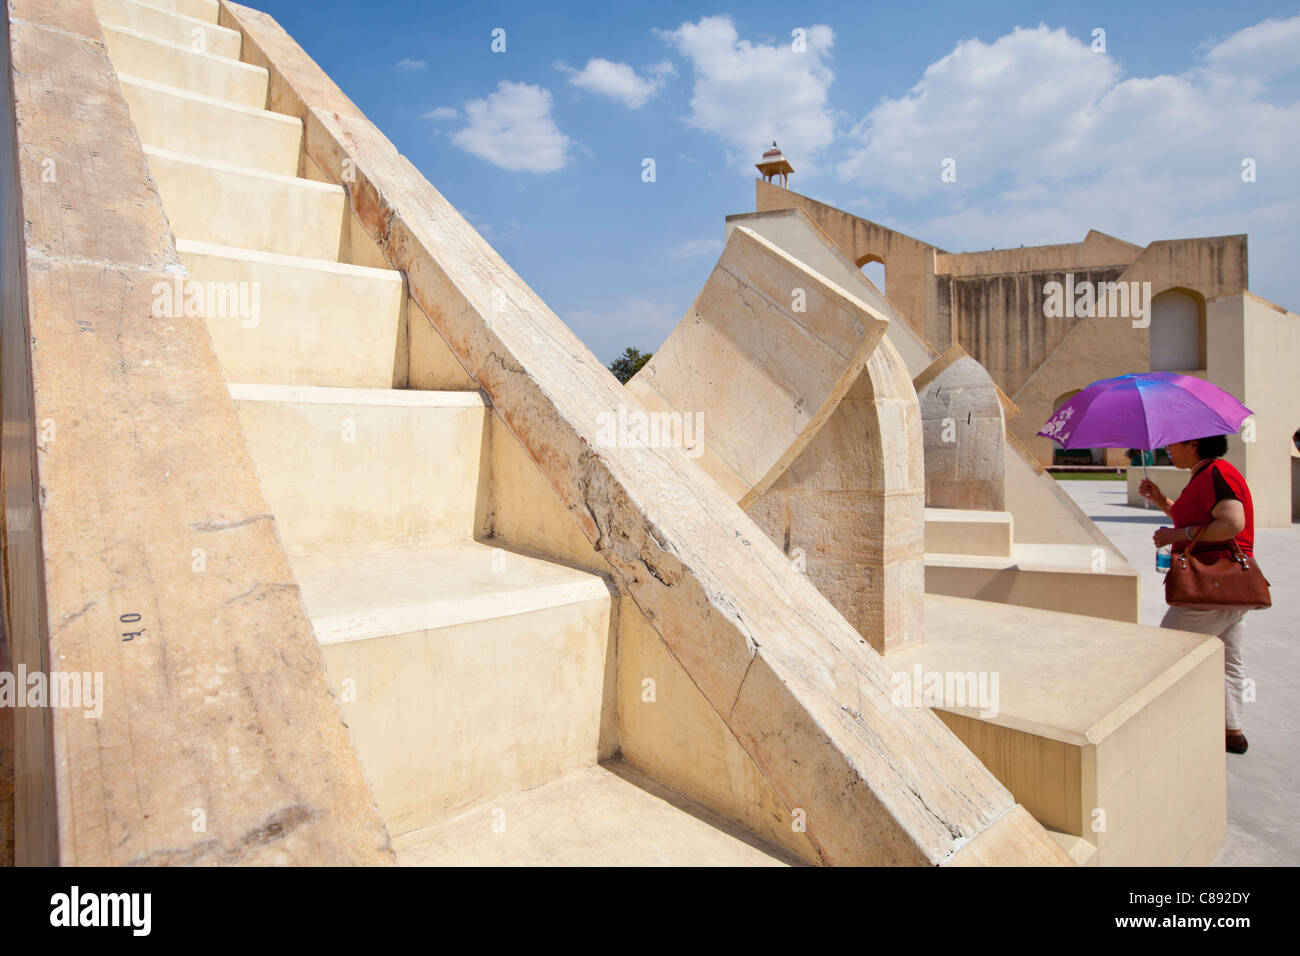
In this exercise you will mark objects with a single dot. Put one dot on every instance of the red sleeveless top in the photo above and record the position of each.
(1209, 486)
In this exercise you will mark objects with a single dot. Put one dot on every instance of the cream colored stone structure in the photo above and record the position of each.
(324, 492)
(524, 621)
(1200, 319)
(1085, 716)
(1055, 558)
(839, 489)
(964, 431)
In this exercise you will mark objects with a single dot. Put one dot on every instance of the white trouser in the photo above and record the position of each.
(1225, 624)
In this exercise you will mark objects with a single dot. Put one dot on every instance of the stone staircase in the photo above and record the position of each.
(973, 554)
(476, 679)
(965, 531)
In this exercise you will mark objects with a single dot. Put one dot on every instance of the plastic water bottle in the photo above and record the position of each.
(1164, 555)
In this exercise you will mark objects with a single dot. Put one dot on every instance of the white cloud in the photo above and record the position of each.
(640, 323)
(749, 94)
(1050, 139)
(697, 247)
(441, 113)
(1257, 55)
(409, 65)
(619, 81)
(1029, 95)
(513, 128)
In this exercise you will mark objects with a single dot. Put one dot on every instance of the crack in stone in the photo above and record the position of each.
(69, 618)
(654, 572)
(275, 827)
(35, 253)
(741, 686)
(207, 526)
(275, 586)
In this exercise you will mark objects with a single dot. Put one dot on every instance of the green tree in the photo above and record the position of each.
(628, 364)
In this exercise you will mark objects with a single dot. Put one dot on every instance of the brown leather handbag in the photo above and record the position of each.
(1213, 581)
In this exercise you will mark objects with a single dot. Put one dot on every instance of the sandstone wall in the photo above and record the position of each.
(214, 693)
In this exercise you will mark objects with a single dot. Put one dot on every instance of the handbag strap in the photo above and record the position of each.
(1237, 553)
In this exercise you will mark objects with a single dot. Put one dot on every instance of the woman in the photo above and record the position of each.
(1217, 500)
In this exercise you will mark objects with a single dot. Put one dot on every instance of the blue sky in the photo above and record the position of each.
(542, 146)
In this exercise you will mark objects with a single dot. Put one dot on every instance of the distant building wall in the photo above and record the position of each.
(909, 263)
(992, 304)
(1000, 319)
(1103, 347)
(1254, 349)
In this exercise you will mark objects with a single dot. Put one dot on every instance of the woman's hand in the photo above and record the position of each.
(1151, 491)
(1164, 536)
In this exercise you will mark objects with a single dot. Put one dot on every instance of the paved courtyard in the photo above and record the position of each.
(1264, 784)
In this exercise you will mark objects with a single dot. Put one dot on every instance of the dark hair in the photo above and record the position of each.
(1216, 446)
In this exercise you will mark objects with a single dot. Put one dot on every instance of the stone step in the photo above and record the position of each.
(960, 531)
(606, 815)
(316, 322)
(464, 670)
(1082, 851)
(1073, 578)
(208, 202)
(224, 132)
(152, 19)
(1108, 732)
(206, 10)
(346, 468)
(174, 64)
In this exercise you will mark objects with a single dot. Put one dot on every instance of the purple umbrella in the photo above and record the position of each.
(1145, 411)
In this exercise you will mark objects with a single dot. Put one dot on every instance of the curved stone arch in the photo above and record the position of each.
(964, 427)
(873, 267)
(1064, 397)
(767, 328)
(851, 507)
(1171, 349)
(824, 453)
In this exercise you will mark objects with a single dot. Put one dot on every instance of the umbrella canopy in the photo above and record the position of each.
(1148, 410)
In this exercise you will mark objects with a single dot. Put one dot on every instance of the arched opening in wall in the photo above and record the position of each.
(1177, 332)
(873, 267)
